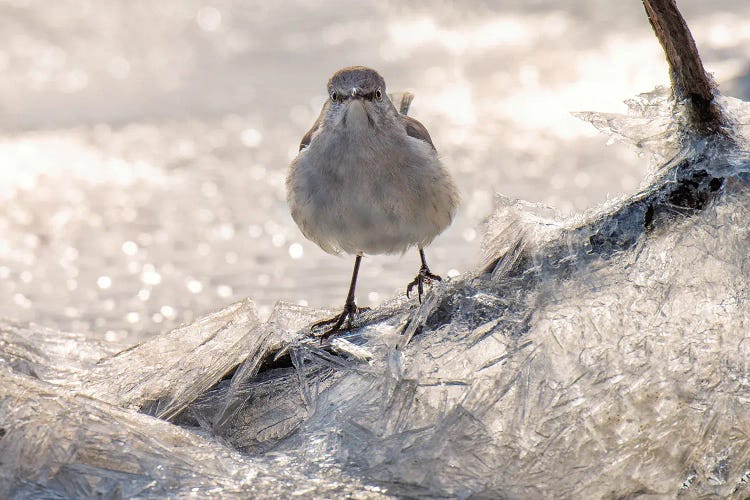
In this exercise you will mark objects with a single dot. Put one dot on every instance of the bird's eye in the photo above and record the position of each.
(378, 94)
(334, 96)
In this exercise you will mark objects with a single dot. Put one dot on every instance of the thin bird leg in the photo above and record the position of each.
(424, 276)
(350, 308)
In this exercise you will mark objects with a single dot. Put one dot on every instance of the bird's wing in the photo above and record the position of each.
(416, 130)
(308, 136)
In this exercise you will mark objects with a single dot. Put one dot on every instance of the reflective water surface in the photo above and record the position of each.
(144, 146)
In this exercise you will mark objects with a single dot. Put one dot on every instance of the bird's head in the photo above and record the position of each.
(357, 99)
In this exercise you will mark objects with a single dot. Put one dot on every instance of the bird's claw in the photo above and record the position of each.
(347, 315)
(424, 276)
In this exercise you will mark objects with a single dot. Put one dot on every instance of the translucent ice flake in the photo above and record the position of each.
(48, 354)
(649, 125)
(55, 444)
(164, 374)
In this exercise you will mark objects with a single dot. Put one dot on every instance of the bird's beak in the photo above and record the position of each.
(357, 117)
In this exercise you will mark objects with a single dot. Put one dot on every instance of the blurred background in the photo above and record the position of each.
(144, 145)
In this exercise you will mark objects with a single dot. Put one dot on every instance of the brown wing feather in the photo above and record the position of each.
(308, 136)
(416, 129)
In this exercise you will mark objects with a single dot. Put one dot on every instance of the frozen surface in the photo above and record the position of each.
(601, 355)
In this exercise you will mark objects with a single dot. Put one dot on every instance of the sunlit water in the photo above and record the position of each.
(144, 148)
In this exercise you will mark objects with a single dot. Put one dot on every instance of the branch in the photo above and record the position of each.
(690, 83)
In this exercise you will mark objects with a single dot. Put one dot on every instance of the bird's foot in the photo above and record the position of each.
(346, 316)
(424, 276)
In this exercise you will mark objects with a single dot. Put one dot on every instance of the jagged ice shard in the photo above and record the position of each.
(605, 354)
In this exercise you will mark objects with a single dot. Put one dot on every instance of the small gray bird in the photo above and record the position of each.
(368, 180)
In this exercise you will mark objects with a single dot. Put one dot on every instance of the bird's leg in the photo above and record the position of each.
(350, 308)
(424, 276)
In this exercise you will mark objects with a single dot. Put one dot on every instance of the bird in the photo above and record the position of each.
(368, 180)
